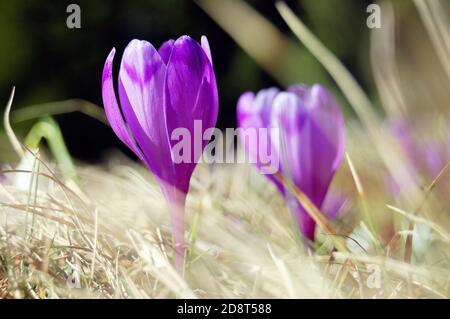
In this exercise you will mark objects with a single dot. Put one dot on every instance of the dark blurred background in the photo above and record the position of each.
(48, 62)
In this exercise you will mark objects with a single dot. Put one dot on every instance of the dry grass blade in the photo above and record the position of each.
(384, 64)
(348, 85)
(263, 41)
(437, 26)
(367, 214)
(416, 219)
(284, 273)
(59, 107)
(8, 129)
(429, 189)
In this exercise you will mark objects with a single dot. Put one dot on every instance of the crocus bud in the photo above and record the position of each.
(160, 91)
(310, 146)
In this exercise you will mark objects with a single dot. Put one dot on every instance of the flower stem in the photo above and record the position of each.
(193, 239)
(178, 234)
(176, 201)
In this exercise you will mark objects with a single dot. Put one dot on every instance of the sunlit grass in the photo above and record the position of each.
(114, 230)
(110, 227)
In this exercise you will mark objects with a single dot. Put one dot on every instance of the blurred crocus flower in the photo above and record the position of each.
(310, 145)
(160, 91)
(427, 154)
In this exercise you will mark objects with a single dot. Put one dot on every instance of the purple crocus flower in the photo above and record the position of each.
(160, 91)
(310, 146)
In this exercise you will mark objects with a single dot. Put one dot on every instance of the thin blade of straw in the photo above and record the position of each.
(8, 129)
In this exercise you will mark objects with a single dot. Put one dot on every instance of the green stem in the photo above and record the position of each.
(48, 128)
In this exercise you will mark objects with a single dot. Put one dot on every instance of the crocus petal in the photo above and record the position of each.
(253, 113)
(141, 88)
(301, 90)
(289, 114)
(248, 119)
(142, 73)
(112, 109)
(258, 108)
(206, 48)
(166, 50)
(190, 94)
(327, 119)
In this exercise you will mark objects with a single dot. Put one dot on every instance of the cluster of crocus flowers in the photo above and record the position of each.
(174, 87)
(310, 146)
(159, 91)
